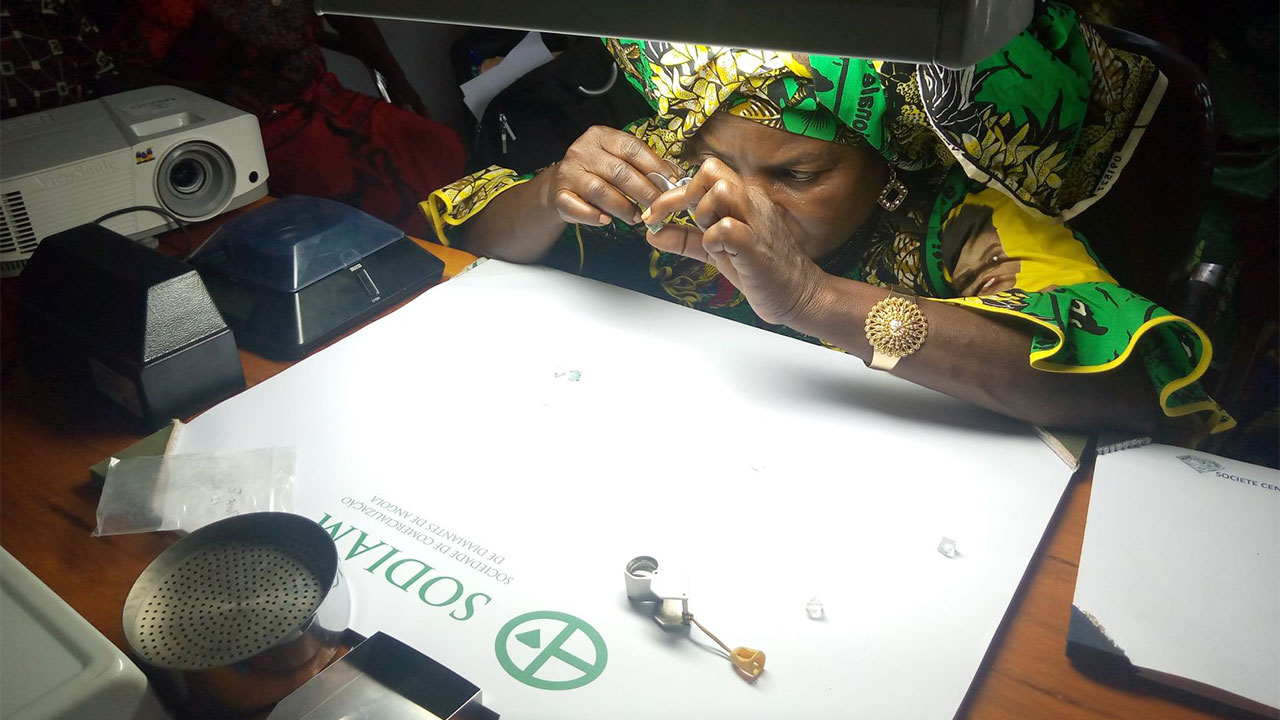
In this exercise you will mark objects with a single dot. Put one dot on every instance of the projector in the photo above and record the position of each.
(160, 146)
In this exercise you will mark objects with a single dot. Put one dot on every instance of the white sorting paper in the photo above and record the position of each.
(1180, 569)
(528, 54)
(489, 456)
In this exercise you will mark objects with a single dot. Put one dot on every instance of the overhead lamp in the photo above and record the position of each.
(951, 33)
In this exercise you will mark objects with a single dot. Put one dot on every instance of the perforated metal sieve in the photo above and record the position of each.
(240, 612)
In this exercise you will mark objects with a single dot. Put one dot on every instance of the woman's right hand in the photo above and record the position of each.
(600, 171)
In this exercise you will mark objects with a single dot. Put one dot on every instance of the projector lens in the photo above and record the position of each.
(195, 180)
(187, 176)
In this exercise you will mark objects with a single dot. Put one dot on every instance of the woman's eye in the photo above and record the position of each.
(798, 175)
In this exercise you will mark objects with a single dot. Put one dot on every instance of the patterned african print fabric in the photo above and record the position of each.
(1021, 132)
(1050, 119)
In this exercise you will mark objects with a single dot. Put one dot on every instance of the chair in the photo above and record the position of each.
(1144, 229)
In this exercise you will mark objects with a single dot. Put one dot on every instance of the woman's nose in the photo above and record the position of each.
(766, 184)
(762, 182)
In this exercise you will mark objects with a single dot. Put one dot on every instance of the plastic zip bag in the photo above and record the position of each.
(186, 492)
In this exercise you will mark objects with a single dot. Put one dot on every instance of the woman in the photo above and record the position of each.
(822, 181)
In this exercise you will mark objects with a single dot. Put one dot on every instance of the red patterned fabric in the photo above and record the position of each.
(344, 145)
(321, 138)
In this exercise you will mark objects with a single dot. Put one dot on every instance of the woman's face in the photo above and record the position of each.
(824, 190)
(983, 267)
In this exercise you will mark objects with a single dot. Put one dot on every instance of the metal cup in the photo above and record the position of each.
(239, 613)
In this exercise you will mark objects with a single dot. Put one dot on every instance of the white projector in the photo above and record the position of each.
(159, 147)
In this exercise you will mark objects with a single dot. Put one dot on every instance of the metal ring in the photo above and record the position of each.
(1209, 273)
(638, 575)
(613, 78)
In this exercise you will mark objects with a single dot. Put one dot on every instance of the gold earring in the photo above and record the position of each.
(894, 192)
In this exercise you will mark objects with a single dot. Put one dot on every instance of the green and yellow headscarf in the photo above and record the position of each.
(1048, 120)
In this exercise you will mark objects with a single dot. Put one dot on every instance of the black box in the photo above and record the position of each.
(103, 314)
(292, 275)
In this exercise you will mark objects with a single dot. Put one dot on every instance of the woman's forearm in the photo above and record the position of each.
(982, 358)
(518, 225)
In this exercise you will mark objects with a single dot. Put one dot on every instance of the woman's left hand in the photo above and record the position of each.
(745, 235)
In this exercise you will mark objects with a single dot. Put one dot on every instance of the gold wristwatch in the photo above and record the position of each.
(895, 328)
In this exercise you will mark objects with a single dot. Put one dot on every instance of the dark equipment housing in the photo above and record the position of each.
(294, 274)
(103, 314)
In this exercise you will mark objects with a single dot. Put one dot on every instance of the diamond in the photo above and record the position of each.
(947, 547)
(814, 608)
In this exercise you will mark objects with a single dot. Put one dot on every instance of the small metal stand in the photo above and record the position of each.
(669, 595)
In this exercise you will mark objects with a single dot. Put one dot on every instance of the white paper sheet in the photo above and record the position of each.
(1181, 566)
(768, 470)
(528, 54)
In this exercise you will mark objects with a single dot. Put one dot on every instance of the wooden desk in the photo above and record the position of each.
(47, 510)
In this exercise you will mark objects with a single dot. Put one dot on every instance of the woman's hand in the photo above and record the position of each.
(746, 236)
(602, 173)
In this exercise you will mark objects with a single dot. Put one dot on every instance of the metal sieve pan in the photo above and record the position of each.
(239, 613)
